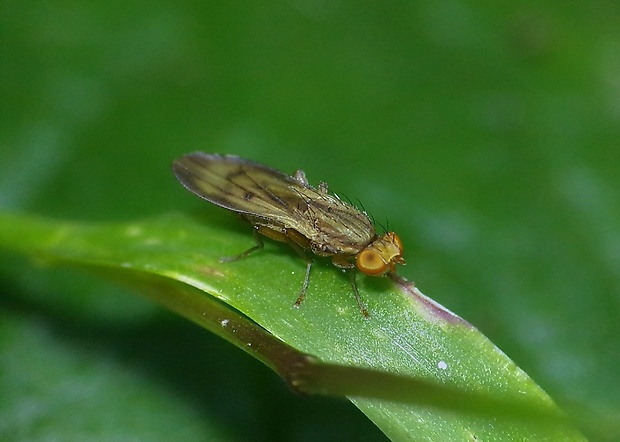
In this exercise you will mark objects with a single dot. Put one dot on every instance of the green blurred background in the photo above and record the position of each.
(487, 134)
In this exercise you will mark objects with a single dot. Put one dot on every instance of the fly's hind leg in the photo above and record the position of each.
(259, 245)
(304, 286)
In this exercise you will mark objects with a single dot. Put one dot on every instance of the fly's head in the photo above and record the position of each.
(381, 255)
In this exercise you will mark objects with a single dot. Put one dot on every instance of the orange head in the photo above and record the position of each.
(381, 255)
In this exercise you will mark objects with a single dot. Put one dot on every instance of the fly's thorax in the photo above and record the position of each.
(381, 255)
(337, 228)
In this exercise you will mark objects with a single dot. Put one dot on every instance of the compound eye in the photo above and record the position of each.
(398, 242)
(369, 261)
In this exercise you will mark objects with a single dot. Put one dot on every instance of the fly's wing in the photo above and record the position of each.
(238, 185)
(254, 189)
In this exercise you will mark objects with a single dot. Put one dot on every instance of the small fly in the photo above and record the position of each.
(288, 209)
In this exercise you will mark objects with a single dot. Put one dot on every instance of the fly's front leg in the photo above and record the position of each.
(348, 267)
(360, 303)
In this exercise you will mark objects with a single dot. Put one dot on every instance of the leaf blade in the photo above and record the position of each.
(408, 336)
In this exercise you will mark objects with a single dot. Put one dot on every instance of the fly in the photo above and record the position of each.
(288, 209)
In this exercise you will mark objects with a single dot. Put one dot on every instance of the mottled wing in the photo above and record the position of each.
(331, 225)
(239, 185)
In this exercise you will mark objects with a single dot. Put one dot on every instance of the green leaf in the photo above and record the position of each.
(418, 371)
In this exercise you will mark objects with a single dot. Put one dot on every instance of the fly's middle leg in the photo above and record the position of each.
(294, 239)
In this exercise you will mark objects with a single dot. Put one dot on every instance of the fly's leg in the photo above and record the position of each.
(342, 261)
(259, 245)
(293, 239)
(298, 242)
(361, 304)
(304, 287)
